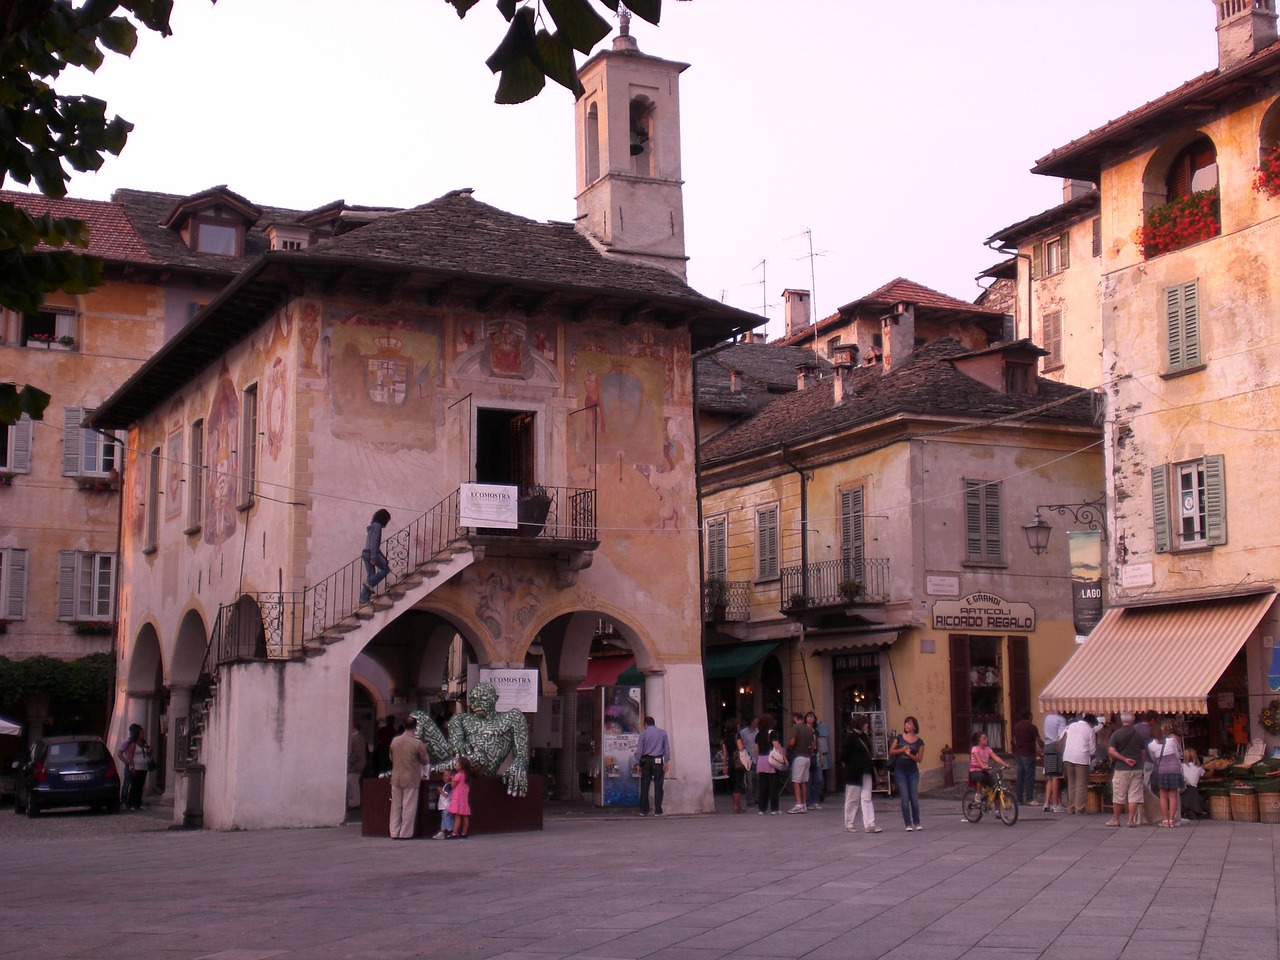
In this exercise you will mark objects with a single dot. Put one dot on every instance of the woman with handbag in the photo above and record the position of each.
(1166, 777)
(768, 775)
(137, 763)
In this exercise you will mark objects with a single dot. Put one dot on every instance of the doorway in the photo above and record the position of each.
(506, 447)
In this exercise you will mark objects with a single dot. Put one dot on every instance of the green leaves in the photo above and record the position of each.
(530, 54)
(15, 402)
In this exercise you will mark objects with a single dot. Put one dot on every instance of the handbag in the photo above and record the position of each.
(778, 760)
(744, 759)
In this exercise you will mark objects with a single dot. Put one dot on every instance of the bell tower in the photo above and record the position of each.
(627, 125)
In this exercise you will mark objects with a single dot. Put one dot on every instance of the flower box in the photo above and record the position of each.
(6, 479)
(1180, 223)
(98, 484)
(100, 627)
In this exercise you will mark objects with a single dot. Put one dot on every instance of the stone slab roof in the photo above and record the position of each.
(767, 371)
(927, 384)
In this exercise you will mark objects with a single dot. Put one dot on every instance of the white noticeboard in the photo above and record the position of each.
(517, 689)
(488, 505)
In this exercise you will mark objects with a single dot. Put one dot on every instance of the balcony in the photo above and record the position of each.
(725, 601)
(556, 523)
(834, 587)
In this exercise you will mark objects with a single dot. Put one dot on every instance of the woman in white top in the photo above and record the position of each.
(1078, 748)
(1166, 754)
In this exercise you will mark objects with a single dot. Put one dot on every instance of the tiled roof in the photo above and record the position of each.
(1082, 158)
(111, 236)
(1073, 210)
(928, 383)
(767, 370)
(457, 233)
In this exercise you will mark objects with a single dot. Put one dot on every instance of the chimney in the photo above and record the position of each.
(1244, 28)
(898, 332)
(843, 381)
(735, 381)
(1074, 188)
(796, 315)
(806, 375)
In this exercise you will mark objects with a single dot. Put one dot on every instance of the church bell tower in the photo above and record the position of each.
(628, 154)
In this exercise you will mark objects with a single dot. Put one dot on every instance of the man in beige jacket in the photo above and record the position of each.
(408, 754)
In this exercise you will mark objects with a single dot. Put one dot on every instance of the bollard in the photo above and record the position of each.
(948, 771)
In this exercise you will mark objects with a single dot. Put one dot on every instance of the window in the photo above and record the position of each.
(15, 446)
(86, 585)
(85, 452)
(222, 239)
(13, 583)
(982, 522)
(1193, 170)
(591, 139)
(47, 326)
(152, 528)
(717, 549)
(195, 477)
(852, 536)
(1182, 326)
(1018, 378)
(1051, 256)
(642, 127)
(1189, 504)
(1097, 236)
(767, 543)
(248, 446)
(1052, 334)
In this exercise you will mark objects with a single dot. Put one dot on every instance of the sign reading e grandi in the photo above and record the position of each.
(983, 611)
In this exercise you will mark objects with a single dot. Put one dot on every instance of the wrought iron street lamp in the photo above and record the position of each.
(1090, 513)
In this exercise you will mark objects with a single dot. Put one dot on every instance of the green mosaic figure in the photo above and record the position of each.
(485, 738)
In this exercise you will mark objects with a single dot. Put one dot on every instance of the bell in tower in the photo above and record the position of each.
(627, 124)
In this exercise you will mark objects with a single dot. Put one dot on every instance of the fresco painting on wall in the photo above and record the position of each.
(625, 390)
(309, 335)
(277, 407)
(220, 431)
(384, 372)
(506, 602)
(173, 474)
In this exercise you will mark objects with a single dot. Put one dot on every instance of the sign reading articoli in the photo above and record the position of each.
(983, 611)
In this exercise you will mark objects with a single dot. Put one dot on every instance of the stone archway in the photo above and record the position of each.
(146, 696)
(185, 666)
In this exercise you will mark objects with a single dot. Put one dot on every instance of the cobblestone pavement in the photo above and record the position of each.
(608, 885)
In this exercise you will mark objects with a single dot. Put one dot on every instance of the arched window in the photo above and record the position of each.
(1190, 211)
(1193, 170)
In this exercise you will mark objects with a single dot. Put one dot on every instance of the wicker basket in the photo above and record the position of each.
(1269, 807)
(1244, 806)
(1219, 807)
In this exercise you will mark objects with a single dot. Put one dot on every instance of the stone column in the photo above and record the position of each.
(567, 760)
(179, 709)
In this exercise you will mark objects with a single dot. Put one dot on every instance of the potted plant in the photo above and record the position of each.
(6, 479)
(67, 340)
(532, 509)
(1180, 223)
(798, 601)
(850, 590)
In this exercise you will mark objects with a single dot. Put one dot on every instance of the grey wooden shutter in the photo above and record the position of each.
(1037, 261)
(973, 519)
(20, 462)
(1160, 506)
(1064, 250)
(717, 549)
(1215, 500)
(1191, 324)
(15, 601)
(67, 584)
(991, 521)
(852, 534)
(1097, 236)
(72, 441)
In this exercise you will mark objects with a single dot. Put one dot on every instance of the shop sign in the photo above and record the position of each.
(856, 661)
(487, 505)
(983, 611)
(517, 689)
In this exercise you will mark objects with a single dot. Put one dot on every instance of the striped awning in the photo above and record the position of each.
(1164, 658)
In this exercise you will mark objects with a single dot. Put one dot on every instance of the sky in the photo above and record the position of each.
(830, 145)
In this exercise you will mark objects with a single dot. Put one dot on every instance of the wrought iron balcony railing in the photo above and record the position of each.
(835, 583)
(726, 600)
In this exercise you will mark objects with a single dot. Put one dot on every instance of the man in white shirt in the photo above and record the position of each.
(1078, 748)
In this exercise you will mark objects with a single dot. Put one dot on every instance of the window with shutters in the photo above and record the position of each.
(86, 585)
(248, 446)
(152, 528)
(983, 540)
(1182, 327)
(15, 446)
(1189, 504)
(13, 583)
(85, 452)
(195, 477)
(48, 329)
(852, 537)
(717, 549)
(1097, 236)
(1052, 333)
(1051, 256)
(767, 543)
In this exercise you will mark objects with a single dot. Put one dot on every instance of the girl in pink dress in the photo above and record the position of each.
(460, 801)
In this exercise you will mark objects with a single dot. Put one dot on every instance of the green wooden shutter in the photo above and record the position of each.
(1173, 326)
(72, 440)
(15, 570)
(992, 534)
(1215, 500)
(961, 695)
(1037, 261)
(20, 462)
(1190, 324)
(853, 543)
(67, 564)
(1064, 250)
(973, 519)
(1160, 506)
(767, 542)
(717, 549)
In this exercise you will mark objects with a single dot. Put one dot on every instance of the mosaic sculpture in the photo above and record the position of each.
(484, 737)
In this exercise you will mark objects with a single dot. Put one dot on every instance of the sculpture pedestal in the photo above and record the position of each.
(492, 810)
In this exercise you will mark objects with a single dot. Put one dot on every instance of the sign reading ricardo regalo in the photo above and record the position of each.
(983, 611)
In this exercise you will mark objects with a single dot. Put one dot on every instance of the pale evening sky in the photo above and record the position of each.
(899, 132)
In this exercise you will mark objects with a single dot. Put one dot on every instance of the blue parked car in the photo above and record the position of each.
(75, 771)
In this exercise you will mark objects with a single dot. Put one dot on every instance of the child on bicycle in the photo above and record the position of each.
(981, 757)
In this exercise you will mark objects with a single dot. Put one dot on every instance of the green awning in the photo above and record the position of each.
(720, 663)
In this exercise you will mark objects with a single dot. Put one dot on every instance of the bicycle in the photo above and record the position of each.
(997, 797)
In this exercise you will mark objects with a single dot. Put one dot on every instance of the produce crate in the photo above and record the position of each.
(1269, 807)
(1219, 806)
(1244, 804)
